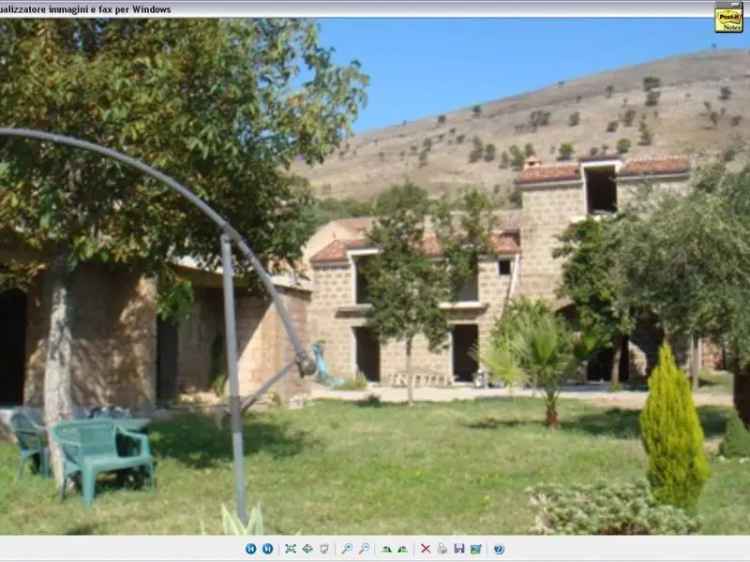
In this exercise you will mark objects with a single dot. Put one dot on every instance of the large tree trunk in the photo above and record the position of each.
(409, 375)
(742, 392)
(58, 403)
(615, 374)
(695, 361)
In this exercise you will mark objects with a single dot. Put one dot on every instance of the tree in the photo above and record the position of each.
(476, 110)
(477, 150)
(673, 437)
(530, 339)
(516, 158)
(213, 103)
(407, 285)
(504, 160)
(623, 146)
(714, 118)
(528, 150)
(685, 258)
(403, 195)
(566, 150)
(489, 152)
(651, 83)
(609, 91)
(652, 98)
(441, 119)
(589, 250)
(628, 117)
(647, 136)
(574, 118)
(612, 126)
(725, 93)
(423, 158)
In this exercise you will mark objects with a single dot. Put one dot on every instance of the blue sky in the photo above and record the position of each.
(421, 67)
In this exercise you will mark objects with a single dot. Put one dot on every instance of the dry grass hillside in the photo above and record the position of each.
(434, 152)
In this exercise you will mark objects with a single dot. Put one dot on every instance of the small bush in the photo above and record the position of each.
(725, 93)
(652, 98)
(423, 158)
(593, 151)
(729, 154)
(516, 157)
(504, 160)
(427, 144)
(460, 139)
(489, 152)
(736, 441)
(528, 150)
(565, 152)
(612, 126)
(735, 120)
(651, 83)
(574, 118)
(609, 90)
(441, 119)
(714, 118)
(606, 509)
(673, 437)
(476, 110)
(623, 146)
(628, 118)
(359, 382)
(647, 136)
(477, 151)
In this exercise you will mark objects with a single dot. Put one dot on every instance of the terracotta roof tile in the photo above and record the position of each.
(651, 166)
(336, 251)
(549, 173)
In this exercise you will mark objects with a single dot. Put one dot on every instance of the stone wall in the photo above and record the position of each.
(114, 338)
(333, 316)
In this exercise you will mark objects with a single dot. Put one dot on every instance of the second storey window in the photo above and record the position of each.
(469, 291)
(361, 289)
(601, 190)
(504, 267)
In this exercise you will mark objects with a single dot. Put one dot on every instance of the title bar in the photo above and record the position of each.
(347, 8)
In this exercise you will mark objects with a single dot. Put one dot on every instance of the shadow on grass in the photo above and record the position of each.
(81, 530)
(195, 441)
(615, 422)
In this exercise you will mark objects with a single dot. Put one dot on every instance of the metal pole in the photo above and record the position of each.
(230, 337)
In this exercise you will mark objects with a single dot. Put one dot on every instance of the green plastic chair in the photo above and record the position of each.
(32, 442)
(90, 447)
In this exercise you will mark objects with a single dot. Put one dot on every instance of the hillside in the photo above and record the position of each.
(681, 123)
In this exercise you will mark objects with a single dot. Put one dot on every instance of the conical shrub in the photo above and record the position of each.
(673, 437)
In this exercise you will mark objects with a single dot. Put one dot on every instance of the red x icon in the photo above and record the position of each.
(425, 548)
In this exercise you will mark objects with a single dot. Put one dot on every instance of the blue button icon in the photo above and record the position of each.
(499, 549)
(267, 548)
(250, 548)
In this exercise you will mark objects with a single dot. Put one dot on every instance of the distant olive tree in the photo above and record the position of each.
(652, 98)
(441, 119)
(623, 146)
(574, 118)
(725, 93)
(651, 83)
(565, 152)
(476, 110)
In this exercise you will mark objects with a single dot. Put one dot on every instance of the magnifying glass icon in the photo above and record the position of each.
(364, 548)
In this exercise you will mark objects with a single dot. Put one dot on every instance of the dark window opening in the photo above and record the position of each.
(504, 266)
(465, 341)
(166, 361)
(12, 346)
(367, 353)
(362, 293)
(601, 190)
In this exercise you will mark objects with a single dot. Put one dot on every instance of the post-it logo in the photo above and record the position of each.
(728, 17)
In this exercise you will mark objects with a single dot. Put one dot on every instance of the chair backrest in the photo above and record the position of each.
(30, 436)
(93, 437)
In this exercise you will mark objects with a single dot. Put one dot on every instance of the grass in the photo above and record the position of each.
(371, 468)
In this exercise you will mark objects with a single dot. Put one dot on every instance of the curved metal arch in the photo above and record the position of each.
(306, 365)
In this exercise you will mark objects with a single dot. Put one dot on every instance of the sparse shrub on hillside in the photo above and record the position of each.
(476, 110)
(647, 136)
(565, 152)
(651, 83)
(623, 146)
(593, 151)
(504, 161)
(413, 148)
(735, 120)
(612, 126)
(528, 150)
(452, 131)
(725, 93)
(736, 442)
(423, 158)
(460, 139)
(440, 137)
(652, 98)
(489, 152)
(673, 437)
(515, 198)
(539, 118)
(441, 119)
(427, 144)
(381, 155)
(628, 117)
(729, 154)
(714, 118)
(574, 118)
(609, 90)
(516, 157)
(477, 150)
(707, 105)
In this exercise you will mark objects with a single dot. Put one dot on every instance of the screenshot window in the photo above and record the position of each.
(377, 280)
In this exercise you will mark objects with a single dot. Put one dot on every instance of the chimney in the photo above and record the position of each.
(531, 162)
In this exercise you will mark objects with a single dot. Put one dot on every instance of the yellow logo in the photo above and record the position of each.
(728, 17)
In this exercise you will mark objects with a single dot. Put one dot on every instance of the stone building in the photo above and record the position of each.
(553, 197)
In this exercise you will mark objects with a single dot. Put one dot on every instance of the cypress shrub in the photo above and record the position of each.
(736, 441)
(673, 437)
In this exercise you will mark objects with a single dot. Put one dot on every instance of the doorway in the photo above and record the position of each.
(465, 339)
(12, 346)
(601, 190)
(367, 353)
(166, 361)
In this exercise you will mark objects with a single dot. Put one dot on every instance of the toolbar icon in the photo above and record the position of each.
(250, 548)
(729, 17)
(499, 549)
(476, 549)
(267, 548)
(459, 548)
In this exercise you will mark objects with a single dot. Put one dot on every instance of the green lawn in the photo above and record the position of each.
(342, 468)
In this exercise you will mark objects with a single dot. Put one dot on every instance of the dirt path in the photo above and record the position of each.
(626, 399)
